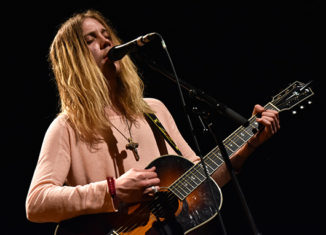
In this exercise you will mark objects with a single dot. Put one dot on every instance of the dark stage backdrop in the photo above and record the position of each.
(239, 53)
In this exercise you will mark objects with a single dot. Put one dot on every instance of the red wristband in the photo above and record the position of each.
(111, 184)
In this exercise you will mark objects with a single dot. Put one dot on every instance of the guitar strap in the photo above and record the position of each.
(153, 118)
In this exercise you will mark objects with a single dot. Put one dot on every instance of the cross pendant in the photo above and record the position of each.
(133, 147)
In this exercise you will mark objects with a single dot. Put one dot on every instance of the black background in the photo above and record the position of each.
(239, 53)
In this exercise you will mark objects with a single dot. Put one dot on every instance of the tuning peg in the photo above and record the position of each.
(301, 106)
(294, 112)
(309, 102)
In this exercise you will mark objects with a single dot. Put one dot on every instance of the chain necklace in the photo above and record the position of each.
(131, 144)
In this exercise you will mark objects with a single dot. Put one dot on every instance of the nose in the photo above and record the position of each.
(105, 42)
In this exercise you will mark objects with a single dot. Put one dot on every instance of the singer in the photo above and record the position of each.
(96, 154)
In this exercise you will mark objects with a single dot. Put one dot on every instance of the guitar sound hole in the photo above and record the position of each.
(164, 205)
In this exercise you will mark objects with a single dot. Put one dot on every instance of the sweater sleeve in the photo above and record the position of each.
(48, 200)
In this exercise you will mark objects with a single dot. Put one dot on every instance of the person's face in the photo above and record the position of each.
(99, 43)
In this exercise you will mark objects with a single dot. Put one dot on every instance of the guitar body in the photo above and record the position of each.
(150, 217)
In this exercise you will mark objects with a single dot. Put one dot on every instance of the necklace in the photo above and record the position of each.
(131, 144)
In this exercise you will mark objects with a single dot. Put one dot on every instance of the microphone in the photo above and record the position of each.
(117, 52)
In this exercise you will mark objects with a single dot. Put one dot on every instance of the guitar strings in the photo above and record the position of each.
(215, 153)
(231, 140)
(209, 157)
(132, 222)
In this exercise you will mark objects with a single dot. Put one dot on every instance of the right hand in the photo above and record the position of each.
(133, 185)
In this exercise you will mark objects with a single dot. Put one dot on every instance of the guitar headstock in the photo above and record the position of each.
(293, 95)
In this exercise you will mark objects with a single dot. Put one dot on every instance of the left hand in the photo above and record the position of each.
(270, 120)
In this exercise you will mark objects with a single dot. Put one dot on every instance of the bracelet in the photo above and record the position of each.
(111, 184)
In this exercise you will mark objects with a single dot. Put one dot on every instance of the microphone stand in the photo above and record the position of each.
(182, 84)
(220, 109)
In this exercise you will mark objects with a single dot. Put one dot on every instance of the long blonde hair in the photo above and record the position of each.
(83, 89)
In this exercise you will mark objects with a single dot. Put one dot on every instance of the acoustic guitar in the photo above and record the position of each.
(184, 200)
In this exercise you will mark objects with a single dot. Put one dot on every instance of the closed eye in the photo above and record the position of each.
(106, 34)
(89, 38)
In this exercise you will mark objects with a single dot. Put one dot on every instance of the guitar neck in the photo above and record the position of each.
(190, 180)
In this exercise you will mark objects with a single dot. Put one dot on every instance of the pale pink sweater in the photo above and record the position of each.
(70, 177)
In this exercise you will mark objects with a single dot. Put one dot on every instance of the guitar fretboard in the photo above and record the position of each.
(191, 179)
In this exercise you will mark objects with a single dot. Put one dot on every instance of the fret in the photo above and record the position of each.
(185, 186)
(271, 106)
(238, 140)
(209, 161)
(210, 170)
(200, 169)
(230, 145)
(209, 165)
(193, 180)
(254, 125)
(189, 176)
(200, 166)
(185, 191)
(241, 136)
(245, 135)
(174, 189)
(217, 158)
(181, 189)
(200, 176)
(212, 161)
(235, 144)
(214, 157)
(228, 150)
(194, 177)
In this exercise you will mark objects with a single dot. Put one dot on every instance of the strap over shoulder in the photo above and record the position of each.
(153, 118)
